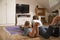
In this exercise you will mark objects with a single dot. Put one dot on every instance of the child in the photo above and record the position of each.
(31, 32)
(26, 27)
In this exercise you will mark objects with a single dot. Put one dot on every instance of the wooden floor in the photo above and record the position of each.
(5, 36)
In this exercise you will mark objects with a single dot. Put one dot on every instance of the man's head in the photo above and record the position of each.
(35, 18)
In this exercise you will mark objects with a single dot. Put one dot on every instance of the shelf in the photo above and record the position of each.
(23, 15)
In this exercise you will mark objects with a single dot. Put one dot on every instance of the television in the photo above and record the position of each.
(23, 8)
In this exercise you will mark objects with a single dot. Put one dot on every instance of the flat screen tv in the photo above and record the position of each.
(23, 8)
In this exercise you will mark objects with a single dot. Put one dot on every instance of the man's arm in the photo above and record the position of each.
(55, 19)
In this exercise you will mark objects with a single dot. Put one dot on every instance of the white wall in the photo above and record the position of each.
(53, 2)
(2, 12)
(7, 12)
(32, 5)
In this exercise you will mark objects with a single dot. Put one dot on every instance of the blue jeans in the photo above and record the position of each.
(46, 33)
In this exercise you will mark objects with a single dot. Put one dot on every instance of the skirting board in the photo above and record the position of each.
(12, 24)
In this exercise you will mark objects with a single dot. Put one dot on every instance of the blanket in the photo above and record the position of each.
(14, 30)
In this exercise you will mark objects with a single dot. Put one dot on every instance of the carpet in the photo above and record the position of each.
(14, 30)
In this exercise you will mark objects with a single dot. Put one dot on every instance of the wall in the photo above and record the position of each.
(53, 2)
(46, 15)
(7, 12)
(59, 11)
(3, 12)
(32, 4)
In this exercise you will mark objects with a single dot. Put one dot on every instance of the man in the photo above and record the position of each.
(47, 33)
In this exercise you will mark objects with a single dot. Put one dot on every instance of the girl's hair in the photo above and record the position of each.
(27, 23)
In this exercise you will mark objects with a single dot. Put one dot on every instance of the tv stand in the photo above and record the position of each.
(21, 15)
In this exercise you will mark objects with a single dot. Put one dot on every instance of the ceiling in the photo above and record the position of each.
(49, 4)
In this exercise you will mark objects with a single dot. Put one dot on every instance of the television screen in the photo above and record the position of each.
(23, 8)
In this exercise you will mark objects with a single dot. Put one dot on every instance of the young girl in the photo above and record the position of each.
(26, 27)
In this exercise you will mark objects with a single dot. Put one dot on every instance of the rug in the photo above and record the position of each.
(14, 30)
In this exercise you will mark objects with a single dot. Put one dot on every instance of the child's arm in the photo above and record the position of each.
(33, 33)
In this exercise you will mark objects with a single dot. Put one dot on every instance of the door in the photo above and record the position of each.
(11, 12)
(3, 12)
